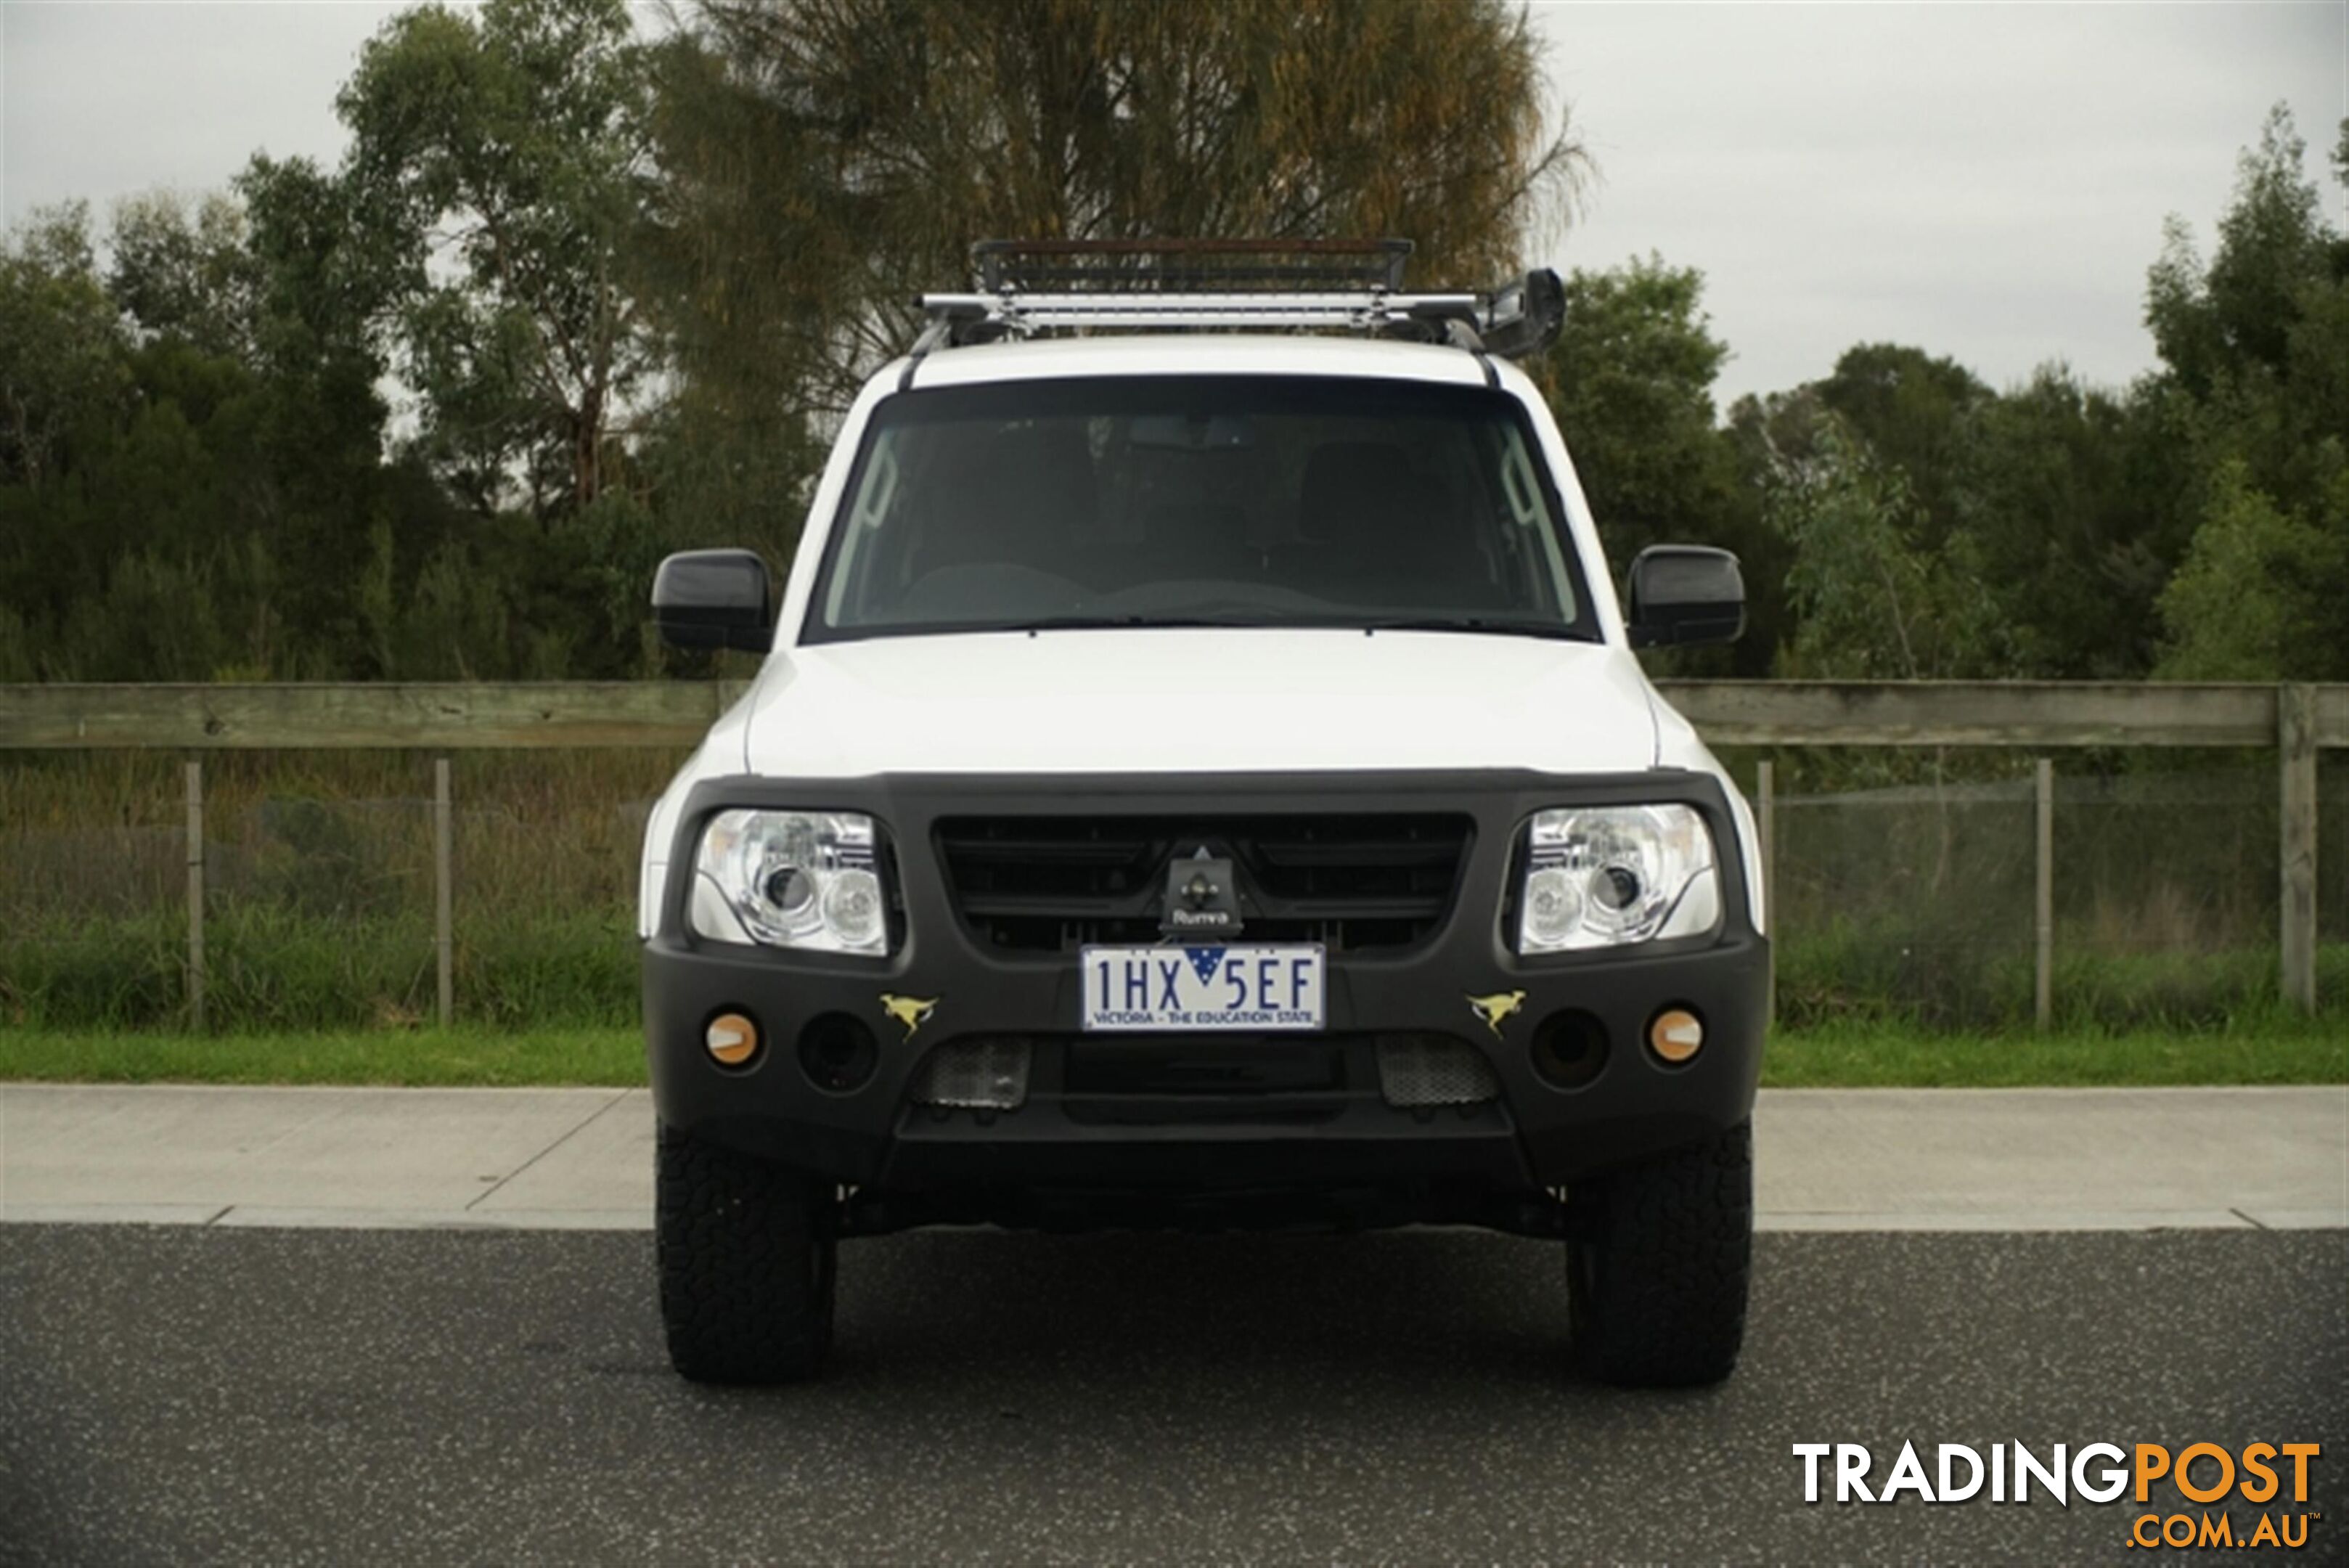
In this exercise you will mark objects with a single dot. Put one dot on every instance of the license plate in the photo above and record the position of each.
(1254, 988)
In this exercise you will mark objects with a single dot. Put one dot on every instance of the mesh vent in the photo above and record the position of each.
(985, 1073)
(1420, 1070)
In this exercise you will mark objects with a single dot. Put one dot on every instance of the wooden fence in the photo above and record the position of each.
(2295, 720)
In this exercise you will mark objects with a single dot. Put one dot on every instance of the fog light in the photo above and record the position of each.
(1676, 1035)
(837, 1053)
(732, 1039)
(1569, 1049)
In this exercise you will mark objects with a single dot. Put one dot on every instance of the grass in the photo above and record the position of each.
(1845, 972)
(462, 1057)
(271, 968)
(2265, 1050)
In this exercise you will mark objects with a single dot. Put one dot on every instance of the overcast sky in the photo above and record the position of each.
(1985, 180)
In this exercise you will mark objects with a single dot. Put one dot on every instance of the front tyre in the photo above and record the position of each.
(1657, 1278)
(746, 1265)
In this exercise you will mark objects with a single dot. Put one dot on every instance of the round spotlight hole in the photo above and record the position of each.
(838, 1053)
(1676, 1035)
(1569, 1049)
(732, 1039)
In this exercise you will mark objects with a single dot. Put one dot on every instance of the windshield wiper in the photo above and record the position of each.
(1275, 623)
(1105, 623)
(1469, 623)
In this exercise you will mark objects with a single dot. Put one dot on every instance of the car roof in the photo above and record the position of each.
(1192, 353)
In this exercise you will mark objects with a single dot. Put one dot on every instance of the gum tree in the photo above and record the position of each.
(499, 165)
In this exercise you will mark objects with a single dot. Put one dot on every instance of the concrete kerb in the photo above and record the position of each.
(581, 1159)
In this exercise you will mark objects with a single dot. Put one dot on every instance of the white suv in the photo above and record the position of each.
(1200, 776)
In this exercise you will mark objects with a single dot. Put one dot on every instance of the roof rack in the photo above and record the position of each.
(1026, 287)
(1216, 265)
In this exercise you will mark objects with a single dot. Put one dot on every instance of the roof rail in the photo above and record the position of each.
(1026, 287)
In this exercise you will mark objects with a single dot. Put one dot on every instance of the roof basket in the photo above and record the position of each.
(1028, 287)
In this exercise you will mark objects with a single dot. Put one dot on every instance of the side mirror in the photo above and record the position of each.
(1684, 593)
(713, 598)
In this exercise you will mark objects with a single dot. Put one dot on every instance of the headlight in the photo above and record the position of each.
(1610, 874)
(794, 879)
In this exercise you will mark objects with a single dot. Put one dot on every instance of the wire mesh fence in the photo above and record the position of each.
(1912, 898)
(318, 888)
(1918, 899)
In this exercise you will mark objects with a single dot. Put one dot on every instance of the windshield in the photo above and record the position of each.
(1199, 501)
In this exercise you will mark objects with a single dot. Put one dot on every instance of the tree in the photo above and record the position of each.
(828, 159)
(1632, 375)
(186, 270)
(1631, 379)
(2067, 498)
(2256, 358)
(195, 514)
(2214, 324)
(1917, 413)
(64, 383)
(1872, 598)
(2259, 597)
(60, 342)
(499, 161)
(2258, 337)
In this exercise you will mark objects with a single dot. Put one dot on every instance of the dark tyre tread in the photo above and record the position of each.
(1658, 1281)
(745, 1255)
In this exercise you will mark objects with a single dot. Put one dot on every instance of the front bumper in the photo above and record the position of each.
(1311, 1118)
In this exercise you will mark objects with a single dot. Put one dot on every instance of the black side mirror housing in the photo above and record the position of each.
(1524, 318)
(714, 598)
(1683, 594)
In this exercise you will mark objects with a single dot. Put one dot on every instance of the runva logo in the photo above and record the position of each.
(2199, 1473)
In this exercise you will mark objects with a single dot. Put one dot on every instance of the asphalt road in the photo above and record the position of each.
(350, 1397)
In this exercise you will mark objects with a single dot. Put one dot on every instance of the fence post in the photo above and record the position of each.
(2042, 993)
(2296, 754)
(443, 894)
(196, 896)
(1765, 823)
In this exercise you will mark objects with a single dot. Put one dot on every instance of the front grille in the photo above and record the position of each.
(1049, 884)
